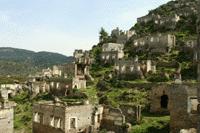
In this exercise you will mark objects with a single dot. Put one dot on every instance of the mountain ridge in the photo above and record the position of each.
(16, 61)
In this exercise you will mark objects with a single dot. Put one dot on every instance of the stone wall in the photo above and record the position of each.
(132, 113)
(110, 57)
(44, 116)
(79, 83)
(59, 118)
(82, 57)
(183, 107)
(81, 114)
(132, 69)
(198, 44)
(6, 120)
(113, 120)
(121, 36)
(128, 69)
(159, 99)
(112, 47)
(156, 43)
(198, 96)
(61, 88)
(38, 128)
(69, 69)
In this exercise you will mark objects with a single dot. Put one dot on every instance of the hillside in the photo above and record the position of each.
(177, 18)
(22, 62)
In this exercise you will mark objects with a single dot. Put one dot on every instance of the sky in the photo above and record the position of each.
(65, 25)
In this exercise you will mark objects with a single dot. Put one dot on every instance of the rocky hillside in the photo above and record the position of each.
(21, 62)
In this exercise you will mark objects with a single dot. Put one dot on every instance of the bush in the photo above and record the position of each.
(158, 77)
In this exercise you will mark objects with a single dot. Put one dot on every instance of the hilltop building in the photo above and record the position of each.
(121, 36)
(111, 52)
(156, 43)
(132, 69)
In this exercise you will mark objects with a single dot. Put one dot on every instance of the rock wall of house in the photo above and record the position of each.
(113, 120)
(38, 128)
(82, 114)
(198, 108)
(48, 112)
(6, 120)
(157, 43)
(131, 113)
(111, 57)
(60, 88)
(183, 108)
(156, 95)
(79, 83)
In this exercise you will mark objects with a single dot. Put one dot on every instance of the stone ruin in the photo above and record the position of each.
(121, 36)
(160, 21)
(111, 52)
(156, 43)
(159, 99)
(12, 89)
(6, 113)
(63, 77)
(62, 118)
(183, 108)
(178, 100)
(132, 69)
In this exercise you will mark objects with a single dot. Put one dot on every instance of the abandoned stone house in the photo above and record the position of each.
(39, 87)
(121, 36)
(132, 69)
(57, 71)
(183, 108)
(178, 100)
(82, 57)
(159, 98)
(111, 52)
(6, 114)
(168, 22)
(147, 18)
(59, 118)
(47, 72)
(156, 43)
(79, 73)
(160, 20)
(60, 87)
(74, 77)
(12, 89)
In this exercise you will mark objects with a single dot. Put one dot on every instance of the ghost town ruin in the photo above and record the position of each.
(62, 118)
(63, 77)
(146, 79)
(6, 113)
(111, 52)
(158, 43)
(127, 69)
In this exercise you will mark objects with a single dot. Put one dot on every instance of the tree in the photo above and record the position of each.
(103, 37)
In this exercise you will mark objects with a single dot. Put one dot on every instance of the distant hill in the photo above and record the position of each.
(15, 61)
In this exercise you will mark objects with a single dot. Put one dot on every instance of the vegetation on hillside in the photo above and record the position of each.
(19, 62)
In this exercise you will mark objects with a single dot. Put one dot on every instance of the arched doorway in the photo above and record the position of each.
(164, 101)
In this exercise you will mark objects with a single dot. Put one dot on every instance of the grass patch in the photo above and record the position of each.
(152, 124)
